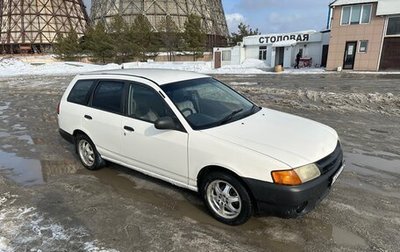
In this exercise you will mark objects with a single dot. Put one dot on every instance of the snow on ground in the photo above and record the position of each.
(24, 227)
(13, 67)
(10, 67)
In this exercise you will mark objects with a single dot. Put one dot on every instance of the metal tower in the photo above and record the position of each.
(211, 12)
(33, 25)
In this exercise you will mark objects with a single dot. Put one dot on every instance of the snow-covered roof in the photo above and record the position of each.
(284, 43)
(345, 2)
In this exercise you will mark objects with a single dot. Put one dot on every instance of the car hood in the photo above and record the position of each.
(290, 139)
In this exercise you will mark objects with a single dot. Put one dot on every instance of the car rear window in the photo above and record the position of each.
(80, 93)
(108, 96)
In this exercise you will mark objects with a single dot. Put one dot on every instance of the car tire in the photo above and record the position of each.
(226, 198)
(87, 153)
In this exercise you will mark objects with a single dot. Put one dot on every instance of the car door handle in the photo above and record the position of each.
(129, 128)
(88, 117)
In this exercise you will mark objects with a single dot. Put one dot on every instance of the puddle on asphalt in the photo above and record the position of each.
(346, 238)
(184, 204)
(22, 170)
(26, 138)
(4, 134)
(380, 163)
(5, 106)
(29, 172)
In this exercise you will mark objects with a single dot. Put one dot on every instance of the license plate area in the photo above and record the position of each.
(335, 177)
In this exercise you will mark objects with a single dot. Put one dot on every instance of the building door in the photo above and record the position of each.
(325, 49)
(217, 60)
(279, 54)
(349, 55)
(390, 54)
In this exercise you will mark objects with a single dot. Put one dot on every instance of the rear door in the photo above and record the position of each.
(102, 120)
(162, 153)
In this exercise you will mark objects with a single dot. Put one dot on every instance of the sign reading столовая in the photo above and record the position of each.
(273, 38)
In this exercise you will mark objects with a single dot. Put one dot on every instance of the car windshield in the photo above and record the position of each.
(207, 103)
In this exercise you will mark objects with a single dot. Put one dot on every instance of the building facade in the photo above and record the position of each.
(365, 35)
(278, 49)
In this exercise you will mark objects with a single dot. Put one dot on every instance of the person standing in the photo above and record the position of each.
(298, 56)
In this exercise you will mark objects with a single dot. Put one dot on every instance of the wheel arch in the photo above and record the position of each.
(80, 132)
(214, 168)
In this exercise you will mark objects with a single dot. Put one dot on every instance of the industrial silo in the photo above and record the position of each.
(33, 25)
(211, 12)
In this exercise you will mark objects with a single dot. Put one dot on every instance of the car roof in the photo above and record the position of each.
(159, 76)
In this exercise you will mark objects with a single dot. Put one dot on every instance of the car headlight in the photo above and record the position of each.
(296, 176)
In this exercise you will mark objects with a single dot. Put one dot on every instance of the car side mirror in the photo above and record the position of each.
(165, 123)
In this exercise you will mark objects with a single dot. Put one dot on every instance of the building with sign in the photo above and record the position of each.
(365, 35)
(278, 49)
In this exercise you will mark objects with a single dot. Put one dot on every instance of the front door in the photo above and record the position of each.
(350, 55)
(325, 50)
(162, 153)
(391, 54)
(279, 55)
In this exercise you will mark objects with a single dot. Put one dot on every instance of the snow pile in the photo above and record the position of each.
(382, 103)
(248, 67)
(13, 67)
(24, 227)
(198, 66)
(253, 63)
(10, 67)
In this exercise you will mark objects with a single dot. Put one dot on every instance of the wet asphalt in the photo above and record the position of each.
(49, 202)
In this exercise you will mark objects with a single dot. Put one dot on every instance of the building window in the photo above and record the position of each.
(363, 46)
(393, 26)
(226, 55)
(263, 53)
(356, 14)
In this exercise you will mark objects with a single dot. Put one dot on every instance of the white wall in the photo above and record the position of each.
(236, 57)
(252, 52)
(388, 7)
(287, 57)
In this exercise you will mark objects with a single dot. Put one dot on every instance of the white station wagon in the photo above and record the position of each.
(195, 132)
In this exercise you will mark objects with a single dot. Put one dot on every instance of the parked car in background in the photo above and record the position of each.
(195, 132)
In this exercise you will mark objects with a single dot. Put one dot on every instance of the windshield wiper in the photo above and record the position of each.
(230, 116)
(254, 109)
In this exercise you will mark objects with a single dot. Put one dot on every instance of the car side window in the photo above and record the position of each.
(80, 93)
(108, 96)
(144, 103)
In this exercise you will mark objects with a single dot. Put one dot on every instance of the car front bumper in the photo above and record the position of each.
(292, 201)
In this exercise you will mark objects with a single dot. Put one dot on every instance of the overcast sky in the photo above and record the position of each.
(274, 16)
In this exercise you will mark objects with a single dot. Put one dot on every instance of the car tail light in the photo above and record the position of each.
(287, 177)
(58, 109)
